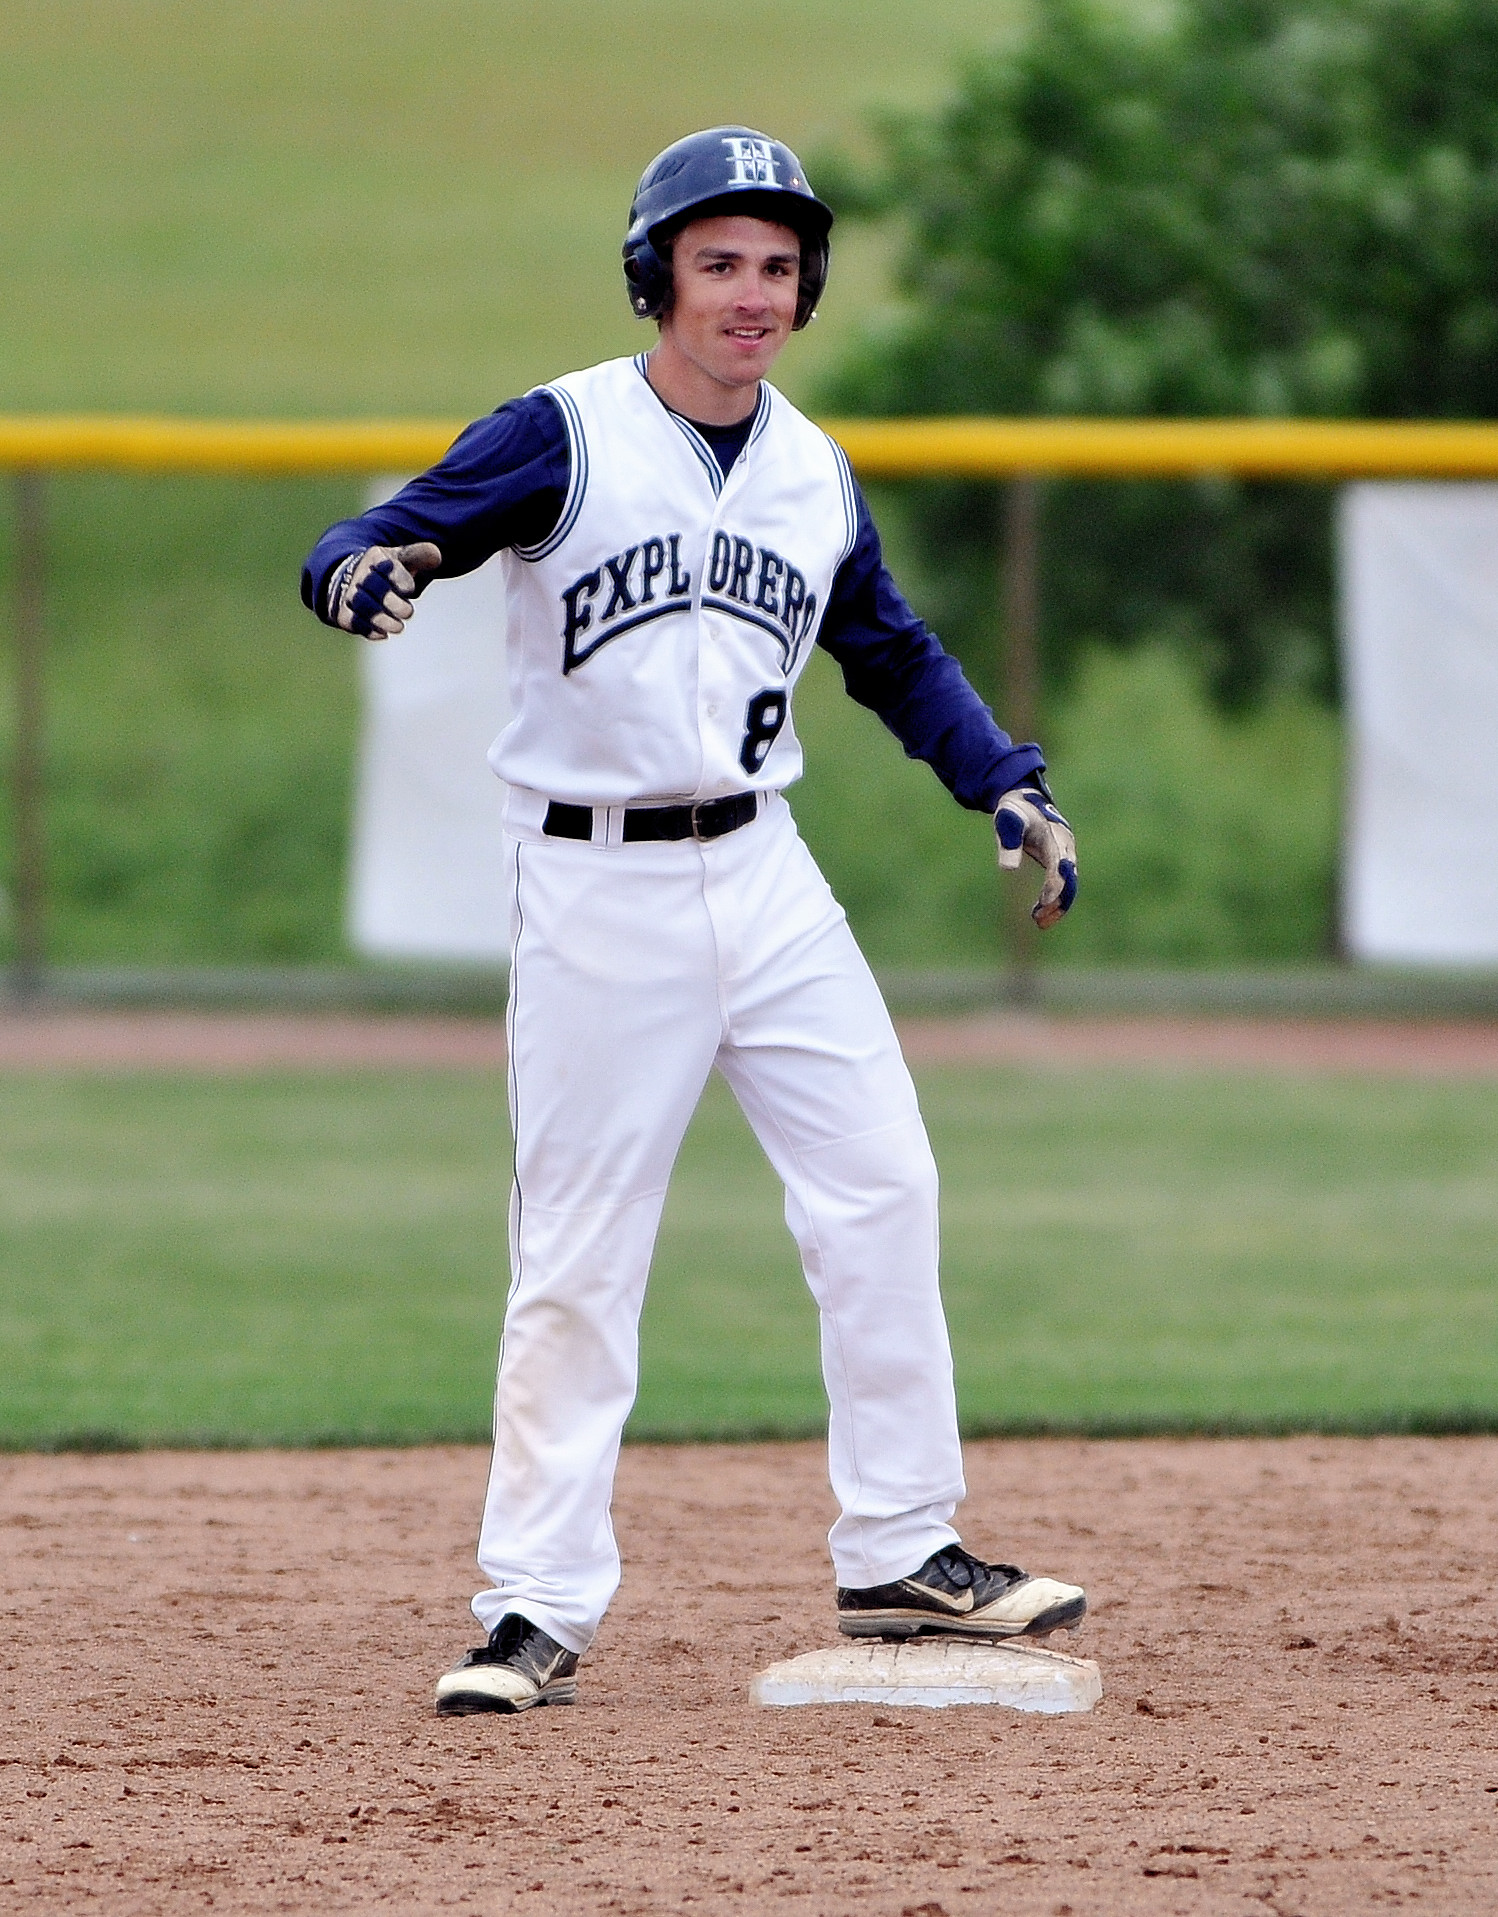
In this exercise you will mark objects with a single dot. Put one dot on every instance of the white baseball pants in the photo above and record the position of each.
(636, 969)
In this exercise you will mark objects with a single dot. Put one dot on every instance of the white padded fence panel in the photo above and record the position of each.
(1418, 564)
(425, 878)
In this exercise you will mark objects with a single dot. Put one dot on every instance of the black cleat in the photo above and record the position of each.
(518, 1667)
(960, 1595)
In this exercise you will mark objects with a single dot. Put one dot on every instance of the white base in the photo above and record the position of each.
(934, 1672)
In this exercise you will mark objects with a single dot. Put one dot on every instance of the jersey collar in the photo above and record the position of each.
(707, 458)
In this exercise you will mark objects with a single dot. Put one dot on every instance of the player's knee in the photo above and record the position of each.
(882, 1173)
(917, 1178)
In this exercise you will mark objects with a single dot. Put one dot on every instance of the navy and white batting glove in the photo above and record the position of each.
(1029, 825)
(372, 592)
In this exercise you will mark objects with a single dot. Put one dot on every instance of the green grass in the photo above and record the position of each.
(201, 726)
(313, 206)
(305, 1259)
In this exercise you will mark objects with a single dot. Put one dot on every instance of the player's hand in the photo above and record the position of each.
(1028, 824)
(373, 591)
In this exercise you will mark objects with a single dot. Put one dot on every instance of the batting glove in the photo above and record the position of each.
(371, 593)
(1028, 824)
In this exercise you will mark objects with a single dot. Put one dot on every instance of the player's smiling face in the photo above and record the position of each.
(735, 282)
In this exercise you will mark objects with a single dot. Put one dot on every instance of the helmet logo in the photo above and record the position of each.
(753, 161)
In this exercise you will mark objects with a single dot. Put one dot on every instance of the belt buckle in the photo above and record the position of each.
(703, 805)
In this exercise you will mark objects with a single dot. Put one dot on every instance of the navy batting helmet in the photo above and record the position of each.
(727, 169)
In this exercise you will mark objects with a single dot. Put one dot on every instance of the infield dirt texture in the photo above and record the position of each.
(217, 1675)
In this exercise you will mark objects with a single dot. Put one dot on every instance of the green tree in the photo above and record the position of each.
(1219, 207)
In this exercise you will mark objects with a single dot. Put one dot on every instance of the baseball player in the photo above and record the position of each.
(676, 539)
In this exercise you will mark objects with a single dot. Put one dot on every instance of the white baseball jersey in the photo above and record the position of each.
(655, 637)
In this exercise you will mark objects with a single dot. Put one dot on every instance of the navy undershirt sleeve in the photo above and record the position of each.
(501, 483)
(895, 667)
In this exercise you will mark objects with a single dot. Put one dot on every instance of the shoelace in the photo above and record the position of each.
(964, 1570)
(509, 1634)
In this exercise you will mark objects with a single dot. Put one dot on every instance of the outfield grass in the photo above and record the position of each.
(295, 1260)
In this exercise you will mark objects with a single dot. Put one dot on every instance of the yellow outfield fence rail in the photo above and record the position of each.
(1167, 448)
(1324, 449)
(1017, 452)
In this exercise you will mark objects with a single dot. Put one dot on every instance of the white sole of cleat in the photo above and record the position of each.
(913, 1623)
(469, 1700)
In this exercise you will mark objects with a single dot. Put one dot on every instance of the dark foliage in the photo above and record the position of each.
(1233, 206)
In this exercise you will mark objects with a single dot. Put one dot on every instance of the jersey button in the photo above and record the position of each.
(712, 712)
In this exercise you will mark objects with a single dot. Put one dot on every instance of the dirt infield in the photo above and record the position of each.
(52, 1040)
(217, 1669)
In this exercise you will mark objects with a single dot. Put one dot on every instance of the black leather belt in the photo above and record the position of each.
(710, 819)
